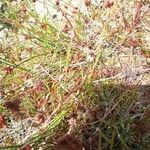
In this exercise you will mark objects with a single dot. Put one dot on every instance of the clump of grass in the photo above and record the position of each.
(87, 63)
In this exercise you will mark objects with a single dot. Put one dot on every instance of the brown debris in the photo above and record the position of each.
(69, 142)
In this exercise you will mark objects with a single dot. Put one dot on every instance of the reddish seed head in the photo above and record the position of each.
(39, 118)
(24, 9)
(38, 87)
(26, 76)
(86, 20)
(2, 121)
(27, 37)
(66, 28)
(109, 4)
(87, 2)
(57, 2)
(133, 42)
(30, 49)
(27, 147)
(75, 10)
(44, 26)
(8, 70)
(42, 102)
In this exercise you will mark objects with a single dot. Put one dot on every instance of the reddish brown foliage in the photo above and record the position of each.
(12, 105)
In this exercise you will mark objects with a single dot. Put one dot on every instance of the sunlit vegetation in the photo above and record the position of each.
(74, 76)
